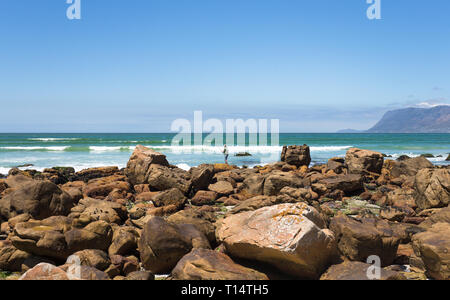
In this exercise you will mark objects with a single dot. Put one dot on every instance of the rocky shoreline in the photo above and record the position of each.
(286, 220)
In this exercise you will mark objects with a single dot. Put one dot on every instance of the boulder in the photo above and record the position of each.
(11, 258)
(124, 241)
(140, 275)
(89, 210)
(433, 247)
(289, 237)
(437, 216)
(296, 155)
(349, 184)
(205, 264)
(45, 271)
(360, 238)
(336, 164)
(222, 188)
(260, 202)
(277, 180)
(408, 166)
(201, 177)
(41, 199)
(92, 173)
(96, 235)
(55, 238)
(204, 198)
(138, 167)
(161, 178)
(163, 244)
(201, 219)
(433, 188)
(170, 197)
(100, 188)
(359, 161)
(43, 238)
(254, 185)
(97, 259)
(353, 270)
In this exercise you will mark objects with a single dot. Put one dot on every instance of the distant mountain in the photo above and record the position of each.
(412, 120)
(415, 120)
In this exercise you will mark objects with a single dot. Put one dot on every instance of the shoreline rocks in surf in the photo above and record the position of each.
(264, 222)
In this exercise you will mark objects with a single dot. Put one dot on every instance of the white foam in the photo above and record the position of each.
(53, 139)
(330, 148)
(185, 167)
(62, 148)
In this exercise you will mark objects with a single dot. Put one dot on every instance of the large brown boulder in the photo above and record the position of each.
(170, 197)
(92, 173)
(277, 180)
(204, 198)
(204, 264)
(41, 199)
(55, 238)
(408, 167)
(201, 177)
(124, 241)
(201, 219)
(258, 202)
(163, 244)
(161, 178)
(100, 188)
(347, 183)
(45, 271)
(359, 239)
(289, 237)
(296, 155)
(89, 210)
(437, 216)
(222, 188)
(354, 270)
(433, 188)
(360, 161)
(140, 161)
(433, 247)
(97, 259)
(11, 258)
(254, 184)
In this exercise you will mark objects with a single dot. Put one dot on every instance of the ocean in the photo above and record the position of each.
(81, 151)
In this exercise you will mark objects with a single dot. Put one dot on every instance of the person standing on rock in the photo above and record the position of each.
(226, 153)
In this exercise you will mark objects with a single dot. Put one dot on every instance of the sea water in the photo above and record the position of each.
(94, 150)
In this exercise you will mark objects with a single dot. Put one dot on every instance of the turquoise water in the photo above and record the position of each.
(92, 150)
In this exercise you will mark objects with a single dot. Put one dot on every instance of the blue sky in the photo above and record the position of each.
(136, 65)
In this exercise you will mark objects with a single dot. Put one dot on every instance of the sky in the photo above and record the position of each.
(137, 65)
